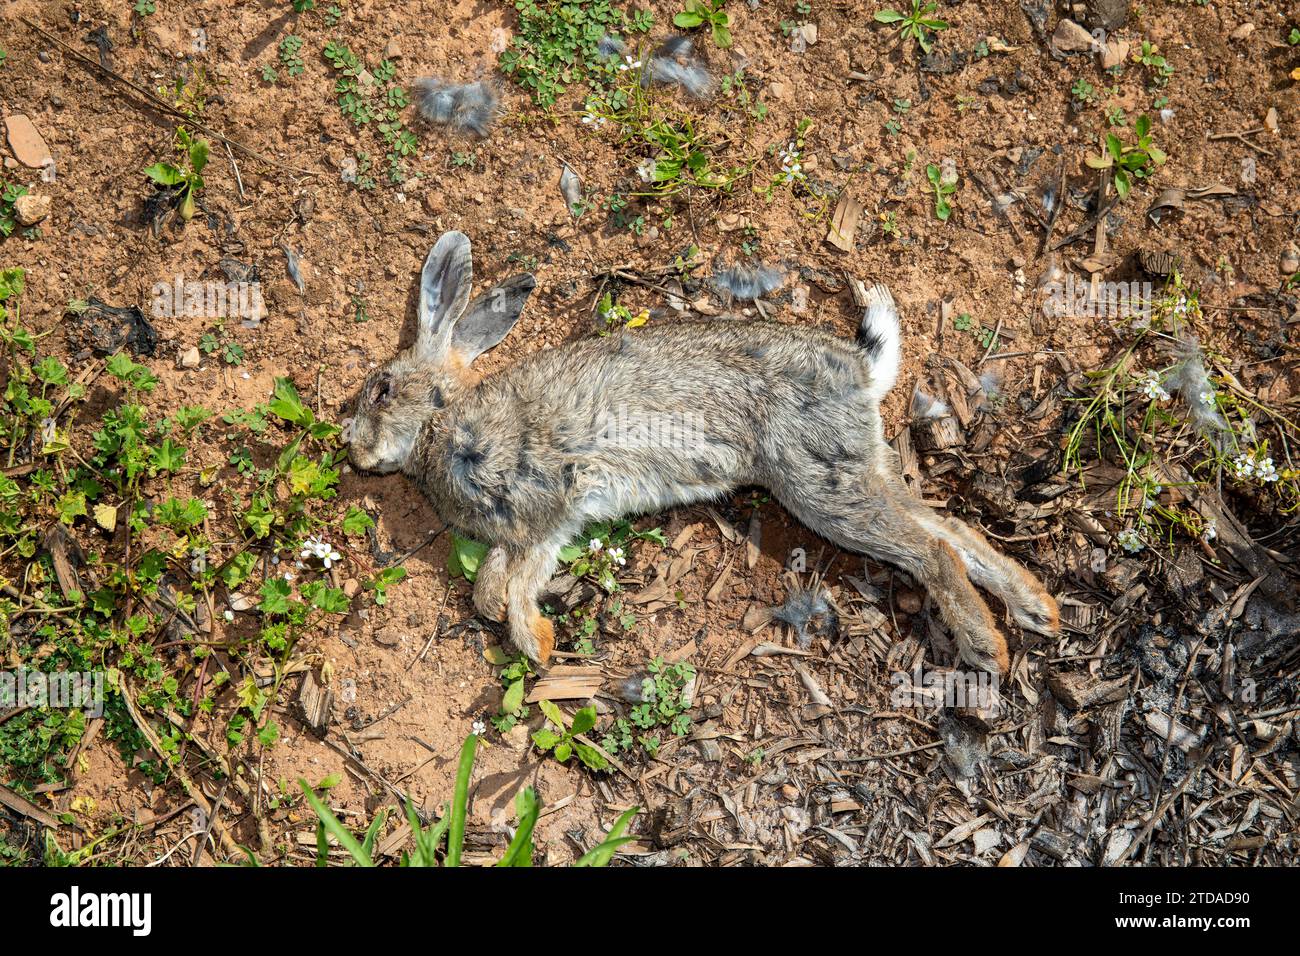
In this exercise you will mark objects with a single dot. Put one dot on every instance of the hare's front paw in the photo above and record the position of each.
(490, 586)
(535, 638)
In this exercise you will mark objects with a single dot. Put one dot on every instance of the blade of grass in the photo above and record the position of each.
(332, 824)
(601, 855)
(459, 800)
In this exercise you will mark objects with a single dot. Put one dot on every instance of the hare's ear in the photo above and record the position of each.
(491, 316)
(444, 292)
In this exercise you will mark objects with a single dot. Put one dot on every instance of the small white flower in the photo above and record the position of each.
(288, 576)
(1265, 470)
(1152, 388)
(629, 64)
(595, 544)
(1211, 530)
(330, 557)
(1129, 540)
(479, 728)
(1207, 398)
(228, 615)
(616, 555)
(1243, 467)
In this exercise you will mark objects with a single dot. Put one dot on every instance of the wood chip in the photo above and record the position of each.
(844, 225)
(564, 682)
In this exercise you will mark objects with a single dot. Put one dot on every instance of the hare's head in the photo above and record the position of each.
(400, 396)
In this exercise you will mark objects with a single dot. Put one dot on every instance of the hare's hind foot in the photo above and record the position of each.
(1028, 602)
(968, 618)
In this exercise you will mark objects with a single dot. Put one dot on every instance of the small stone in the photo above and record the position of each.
(1072, 38)
(778, 91)
(1114, 53)
(190, 358)
(1242, 32)
(1290, 261)
(351, 587)
(500, 40)
(26, 142)
(809, 31)
(1271, 120)
(389, 636)
(392, 49)
(29, 209)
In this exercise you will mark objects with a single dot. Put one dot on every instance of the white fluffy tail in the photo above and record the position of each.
(881, 339)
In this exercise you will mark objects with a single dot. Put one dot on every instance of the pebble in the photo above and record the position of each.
(26, 142)
(29, 209)
(1289, 264)
(1072, 38)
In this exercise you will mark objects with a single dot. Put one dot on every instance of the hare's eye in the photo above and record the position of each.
(381, 392)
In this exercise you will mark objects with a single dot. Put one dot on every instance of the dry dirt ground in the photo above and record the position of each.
(1081, 767)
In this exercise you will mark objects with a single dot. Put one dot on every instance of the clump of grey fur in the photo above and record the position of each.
(927, 406)
(463, 106)
(610, 45)
(675, 63)
(748, 282)
(1191, 383)
(802, 607)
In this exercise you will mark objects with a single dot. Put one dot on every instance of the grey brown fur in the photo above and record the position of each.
(657, 417)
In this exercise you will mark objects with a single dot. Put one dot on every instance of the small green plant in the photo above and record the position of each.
(1084, 91)
(663, 703)
(557, 44)
(185, 179)
(514, 672)
(10, 193)
(943, 189)
(1130, 162)
(450, 830)
(302, 6)
(616, 316)
(563, 742)
(1293, 37)
(1158, 68)
(145, 8)
(699, 12)
(379, 101)
(917, 25)
(601, 551)
(291, 54)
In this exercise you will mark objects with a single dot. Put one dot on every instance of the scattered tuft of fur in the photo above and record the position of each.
(674, 63)
(804, 607)
(927, 406)
(610, 46)
(991, 385)
(748, 282)
(465, 106)
(1191, 383)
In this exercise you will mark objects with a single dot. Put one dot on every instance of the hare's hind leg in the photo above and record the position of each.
(887, 530)
(490, 585)
(1024, 595)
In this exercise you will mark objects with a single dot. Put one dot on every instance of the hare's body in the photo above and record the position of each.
(655, 417)
(647, 419)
